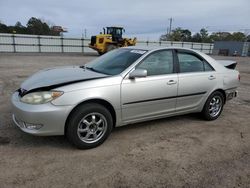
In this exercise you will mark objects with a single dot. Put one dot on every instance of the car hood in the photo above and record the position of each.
(59, 76)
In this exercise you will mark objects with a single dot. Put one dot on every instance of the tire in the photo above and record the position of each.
(111, 47)
(89, 126)
(100, 53)
(213, 106)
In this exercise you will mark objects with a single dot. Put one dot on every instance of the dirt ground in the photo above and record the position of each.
(183, 151)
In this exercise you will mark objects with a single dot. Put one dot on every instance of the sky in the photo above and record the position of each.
(145, 19)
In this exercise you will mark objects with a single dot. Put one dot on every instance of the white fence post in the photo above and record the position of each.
(82, 40)
(14, 43)
(62, 44)
(39, 43)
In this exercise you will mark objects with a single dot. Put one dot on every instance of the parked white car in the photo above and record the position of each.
(124, 86)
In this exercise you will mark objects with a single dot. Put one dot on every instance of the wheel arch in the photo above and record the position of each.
(223, 93)
(103, 102)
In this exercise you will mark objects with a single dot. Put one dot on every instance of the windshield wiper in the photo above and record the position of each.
(92, 69)
(85, 67)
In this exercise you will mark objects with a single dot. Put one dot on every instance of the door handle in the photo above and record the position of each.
(171, 82)
(211, 77)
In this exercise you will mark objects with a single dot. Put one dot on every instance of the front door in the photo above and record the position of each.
(153, 95)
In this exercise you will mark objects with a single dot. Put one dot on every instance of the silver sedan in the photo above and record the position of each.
(124, 86)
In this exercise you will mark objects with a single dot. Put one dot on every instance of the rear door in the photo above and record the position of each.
(196, 79)
(154, 95)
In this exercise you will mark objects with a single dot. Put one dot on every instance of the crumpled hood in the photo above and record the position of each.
(59, 76)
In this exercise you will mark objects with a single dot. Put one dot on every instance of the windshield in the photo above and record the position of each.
(116, 61)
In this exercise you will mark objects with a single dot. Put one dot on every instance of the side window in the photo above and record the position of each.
(158, 63)
(190, 63)
(208, 67)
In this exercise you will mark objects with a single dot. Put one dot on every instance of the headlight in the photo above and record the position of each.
(41, 97)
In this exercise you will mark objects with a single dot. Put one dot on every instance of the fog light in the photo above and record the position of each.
(33, 126)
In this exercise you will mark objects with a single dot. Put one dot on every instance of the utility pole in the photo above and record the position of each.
(170, 25)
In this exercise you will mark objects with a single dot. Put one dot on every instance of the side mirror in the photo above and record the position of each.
(138, 73)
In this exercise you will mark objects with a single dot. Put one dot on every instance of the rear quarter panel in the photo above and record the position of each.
(230, 79)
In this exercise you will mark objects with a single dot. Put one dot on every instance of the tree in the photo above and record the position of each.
(180, 34)
(226, 36)
(204, 35)
(217, 36)
(37, 27)
(196, 37)
(164, 37)
(248, 38)
(186, 35)
(4, 28)
(19, 28)
(177, 34)
(18, 24)
(238, 36)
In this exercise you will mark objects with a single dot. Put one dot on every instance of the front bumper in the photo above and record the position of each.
(51, 118)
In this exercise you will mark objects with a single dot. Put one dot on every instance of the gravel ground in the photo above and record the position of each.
(182, 151)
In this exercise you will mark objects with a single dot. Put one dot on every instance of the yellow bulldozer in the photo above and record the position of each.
(110, 39)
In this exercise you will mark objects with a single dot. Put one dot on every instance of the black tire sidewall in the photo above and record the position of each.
(111, 47)
(205, 111)
(75, 118)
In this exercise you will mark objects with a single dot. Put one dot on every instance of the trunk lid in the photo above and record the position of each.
(228, 63)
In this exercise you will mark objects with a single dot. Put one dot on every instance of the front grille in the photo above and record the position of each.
(93, 40)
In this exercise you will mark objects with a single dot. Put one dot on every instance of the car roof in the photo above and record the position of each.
(150, 48)
(205, 56)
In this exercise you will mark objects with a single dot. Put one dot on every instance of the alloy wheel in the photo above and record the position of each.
(92, 127)
(215, 106)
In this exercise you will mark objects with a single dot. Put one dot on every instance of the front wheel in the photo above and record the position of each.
(213, 106)
(111, 47)
(89, 126)
(100, 53)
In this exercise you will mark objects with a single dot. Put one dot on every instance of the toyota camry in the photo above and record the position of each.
(124, 86)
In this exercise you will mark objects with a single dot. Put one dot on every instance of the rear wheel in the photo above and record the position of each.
(89, 126)
(100, 53)
(213, 106)
(111, 47)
